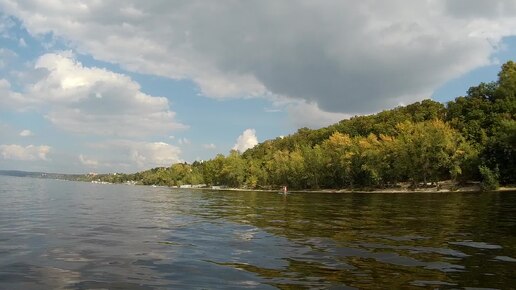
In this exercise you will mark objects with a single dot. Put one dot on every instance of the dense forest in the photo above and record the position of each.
(472, 138)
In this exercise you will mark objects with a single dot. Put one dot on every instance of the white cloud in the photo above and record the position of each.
(135, 155)
(246, 140)
(183, 141)
(88, 162)
(209, 146)
(93, 100)
(350, 57)
(28, 153)
(26, 133)
(147, 155)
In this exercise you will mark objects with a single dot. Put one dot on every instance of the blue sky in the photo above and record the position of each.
(124, 85)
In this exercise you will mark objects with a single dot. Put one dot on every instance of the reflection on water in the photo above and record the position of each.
(68, 235)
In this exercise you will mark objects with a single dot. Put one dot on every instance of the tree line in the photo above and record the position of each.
(472, 138)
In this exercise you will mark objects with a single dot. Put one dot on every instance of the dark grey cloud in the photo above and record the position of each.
(482, 8)
(344, 56)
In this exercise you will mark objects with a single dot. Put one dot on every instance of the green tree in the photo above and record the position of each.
(256, 175)
(315, 166)
(211, 170)
(296, 169)
(278, 167)
(338, 149)
(489, 179)
(233, 170)
(429, 151)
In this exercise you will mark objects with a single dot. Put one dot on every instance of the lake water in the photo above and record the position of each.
(71, 235)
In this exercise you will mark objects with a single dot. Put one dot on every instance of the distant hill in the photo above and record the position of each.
(19, 173)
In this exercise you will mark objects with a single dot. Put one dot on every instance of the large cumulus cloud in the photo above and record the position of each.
(345, 56)
(246, 141)
(91, 101)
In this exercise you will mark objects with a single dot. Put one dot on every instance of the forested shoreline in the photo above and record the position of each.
(472, 138)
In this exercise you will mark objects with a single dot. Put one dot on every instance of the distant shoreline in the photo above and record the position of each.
(444, 187)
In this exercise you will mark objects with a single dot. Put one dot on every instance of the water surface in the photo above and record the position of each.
(71, 235)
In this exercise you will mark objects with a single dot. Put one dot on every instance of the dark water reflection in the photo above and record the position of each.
(67, 235)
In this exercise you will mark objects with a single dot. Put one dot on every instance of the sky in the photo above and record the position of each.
(123, 86)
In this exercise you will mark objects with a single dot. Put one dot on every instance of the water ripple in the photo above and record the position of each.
(66, 235)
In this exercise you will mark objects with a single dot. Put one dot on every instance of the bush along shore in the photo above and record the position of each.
(469, 142)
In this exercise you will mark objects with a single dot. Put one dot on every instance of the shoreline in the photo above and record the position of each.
(444, 187)
(344, 191)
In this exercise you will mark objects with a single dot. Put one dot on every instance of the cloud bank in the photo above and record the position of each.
(127, 155)
(148, 154)
(93, 103)
(88, 162)
(350, 57)
(90, 100)
(27, 153)
(97, 101)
